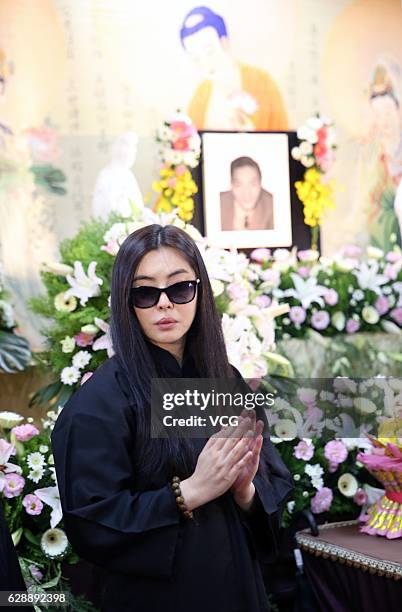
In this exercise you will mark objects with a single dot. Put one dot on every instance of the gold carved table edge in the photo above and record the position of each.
(327, 550)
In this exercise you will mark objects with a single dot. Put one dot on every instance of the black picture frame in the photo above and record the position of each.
(301, 233)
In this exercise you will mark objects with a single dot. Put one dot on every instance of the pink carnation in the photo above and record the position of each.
(304, 271)
(352, 326)
(390, 271)
(360, 497)
(381, 305)
(32, 504)
(331, 297)
(322, 500)
(237, 291)
(13, 485)
(304, 450)
(335, 451)
(82, 339)
(396, 314)
(263, 301)
(260, 255)
(23, 433)
(393, 256)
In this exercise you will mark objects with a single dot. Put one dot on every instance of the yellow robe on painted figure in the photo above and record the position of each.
(271, 113)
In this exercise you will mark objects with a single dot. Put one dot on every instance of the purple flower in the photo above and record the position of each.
(237, 291)
(260, 255)
(382, 305)
(393, 256)
(320, 319)
(335, 451)
(13, 485)
(263, 301)
(304, 450)
(297, 314)
(331, 297)
(391, 271)
(304, 271)
(32, 504)
(396, 314)
(23, 433)
(332, 467)
(35, 572)
(308, 255)
(352, 326)
(322, 500)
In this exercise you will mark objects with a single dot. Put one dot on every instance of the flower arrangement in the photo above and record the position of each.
(318, 431)
(78, 292)
(30, 499)
(316, 153)
(353, 291)
(15, 354)
(179, 151)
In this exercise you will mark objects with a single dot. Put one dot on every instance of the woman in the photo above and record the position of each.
(116, 482)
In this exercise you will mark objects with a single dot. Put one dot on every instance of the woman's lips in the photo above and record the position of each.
(166, 323)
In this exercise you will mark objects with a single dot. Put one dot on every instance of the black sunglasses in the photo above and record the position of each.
(179, 293)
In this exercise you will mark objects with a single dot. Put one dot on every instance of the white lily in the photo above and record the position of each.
(306, 291)
(83, 286)
(6, 449)
(368, 277)
(51, 497)
(105, 341)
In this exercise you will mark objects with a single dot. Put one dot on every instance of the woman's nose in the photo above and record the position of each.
(164, 301)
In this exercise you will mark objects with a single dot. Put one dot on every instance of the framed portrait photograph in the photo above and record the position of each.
(246, 189)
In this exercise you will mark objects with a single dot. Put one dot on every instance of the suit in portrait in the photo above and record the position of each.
(261, 217)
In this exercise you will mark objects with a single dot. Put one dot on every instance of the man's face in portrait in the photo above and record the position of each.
(246, 186)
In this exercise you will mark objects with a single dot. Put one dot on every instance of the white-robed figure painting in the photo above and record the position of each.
(116, 187)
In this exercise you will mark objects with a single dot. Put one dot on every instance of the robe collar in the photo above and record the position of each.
(168, 365)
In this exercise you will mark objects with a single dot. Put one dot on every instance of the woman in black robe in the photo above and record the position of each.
(115, 480)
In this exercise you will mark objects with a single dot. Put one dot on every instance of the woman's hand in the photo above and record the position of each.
(219, 464)
(243, 488)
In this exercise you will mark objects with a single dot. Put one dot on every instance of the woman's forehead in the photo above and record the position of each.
(163, 262)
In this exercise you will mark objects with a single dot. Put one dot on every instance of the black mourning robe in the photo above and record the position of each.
(10, 572)
(153, 558)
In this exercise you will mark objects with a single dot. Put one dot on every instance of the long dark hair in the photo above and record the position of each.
(204, 340)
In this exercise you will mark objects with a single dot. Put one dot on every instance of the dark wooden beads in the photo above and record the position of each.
(180, 499)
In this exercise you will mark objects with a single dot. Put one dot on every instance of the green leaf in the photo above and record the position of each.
(31, 537)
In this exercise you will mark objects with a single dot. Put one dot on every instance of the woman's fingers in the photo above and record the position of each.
(229, 436)
(239, 465)
(238, 451)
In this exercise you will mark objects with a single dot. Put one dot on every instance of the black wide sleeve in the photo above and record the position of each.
(273, 485)
(106, 520)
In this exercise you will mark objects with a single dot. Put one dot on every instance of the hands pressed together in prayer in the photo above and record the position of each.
(229, 460)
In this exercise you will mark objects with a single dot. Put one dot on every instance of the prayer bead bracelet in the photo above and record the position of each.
(180, 499)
